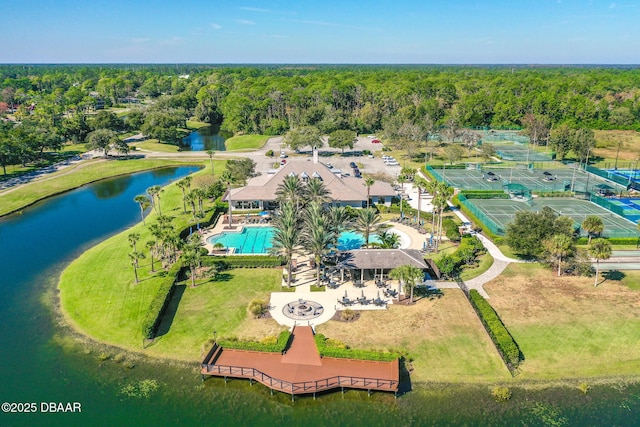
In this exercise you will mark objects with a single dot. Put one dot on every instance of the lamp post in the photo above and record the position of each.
(615, 166)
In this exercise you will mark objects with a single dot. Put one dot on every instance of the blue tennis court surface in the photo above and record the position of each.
(631, 208)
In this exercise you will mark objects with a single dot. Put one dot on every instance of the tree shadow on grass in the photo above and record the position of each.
(170, 312)
(421, 292)
(613, 275)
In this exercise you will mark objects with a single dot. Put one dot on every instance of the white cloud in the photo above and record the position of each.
(244, 22)
(215, 26)
(255, 9)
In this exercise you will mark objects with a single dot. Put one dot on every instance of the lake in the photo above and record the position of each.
(206, 138)
(40, 363)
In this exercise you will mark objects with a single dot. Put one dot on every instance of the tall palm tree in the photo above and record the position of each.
(559, 245)
(228, 180)
(144, 203)
(291, 188)
(432, 188)
(210, 153)
(192, 198)
(183, 185)
(201, 194)
(286, 235)
(367, 223)
(316, 191)
(440, 199)
(420, 185)
(133, 240)
(401, 180)
(600, 249)
(151, 245)
(317, 236)
(340, 219)
(593, 225)
(388, 240)
(134, 257)
(407, 275)
(152, 191)
(368, 182)
(192, 256)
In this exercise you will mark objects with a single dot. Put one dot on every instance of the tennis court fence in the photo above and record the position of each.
(482, 217)
(608, 175)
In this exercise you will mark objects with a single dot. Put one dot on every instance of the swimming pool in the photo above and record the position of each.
(257, 240)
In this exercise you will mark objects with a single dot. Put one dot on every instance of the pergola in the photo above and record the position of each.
(379, 259)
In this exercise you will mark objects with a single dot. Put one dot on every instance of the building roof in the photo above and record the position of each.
(341, 188)
(369, 259)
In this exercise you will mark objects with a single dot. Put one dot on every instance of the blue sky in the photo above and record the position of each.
(328, 31)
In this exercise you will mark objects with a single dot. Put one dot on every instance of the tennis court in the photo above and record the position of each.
(632, 175)
(560, 179)
(629, 208)
(502, 212)
(521, 153)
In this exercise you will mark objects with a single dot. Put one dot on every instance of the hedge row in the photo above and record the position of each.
(483, 194)
(160, 302)
(476, 222)
(279, 346)
(627, 241)
(326, 350)
(219, 210)
(451, 229)
(450, 265)
(242, 261)
(496, 329)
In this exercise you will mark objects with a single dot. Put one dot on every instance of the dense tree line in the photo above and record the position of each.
(408, 102)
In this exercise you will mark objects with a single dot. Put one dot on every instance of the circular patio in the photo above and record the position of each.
(303, 310)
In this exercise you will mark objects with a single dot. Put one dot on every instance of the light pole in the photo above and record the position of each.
(615, 166)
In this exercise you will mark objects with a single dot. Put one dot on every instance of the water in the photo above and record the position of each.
(39, 364)
(206, 138)
(257, 240)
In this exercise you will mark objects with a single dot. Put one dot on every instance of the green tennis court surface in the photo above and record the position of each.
(502, 212)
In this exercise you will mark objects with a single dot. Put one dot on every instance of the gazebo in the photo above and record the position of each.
(378, 261)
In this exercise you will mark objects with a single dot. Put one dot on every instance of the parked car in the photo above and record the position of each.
(371, 136)
(283, 155)
(375, 141)
(283, 162)
(393, 164)
(353, 165)
(357, 174)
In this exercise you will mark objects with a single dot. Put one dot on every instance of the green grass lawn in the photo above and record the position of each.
(76, 176)
(485, 262)
(566, 327)
(195, 124)
(246, 142)
(154, 145)
(98, 294)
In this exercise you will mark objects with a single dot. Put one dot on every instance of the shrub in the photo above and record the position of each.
(340, 350)
(497, 331)
(270, 346)
(451, 229)
(501, 394)
(257, 307)
(242, 261)
(584, 387)
(269, 153)
(160, 301)
(347, 315)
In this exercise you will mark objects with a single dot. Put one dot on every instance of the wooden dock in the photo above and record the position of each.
(301, 370)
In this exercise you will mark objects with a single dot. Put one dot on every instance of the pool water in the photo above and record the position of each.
(257, 240)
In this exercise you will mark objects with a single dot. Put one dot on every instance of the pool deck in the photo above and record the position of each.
(305, 278)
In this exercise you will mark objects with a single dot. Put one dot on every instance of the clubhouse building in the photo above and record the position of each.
(260, 192)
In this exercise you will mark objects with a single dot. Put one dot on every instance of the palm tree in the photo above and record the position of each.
(192, 198)
(192, 256)
(420, 185)
(593, 225)
(144, 203)
(600, 249)
(388, 240)
(367, 223)
(401, 180)
(559, 245)
(368, 182)
(182, 185)
(340, 219)
(408, 275)
(432, 188)
(133, 239)
(134, 257)
(154, 191)
(286, 235)
(228, 180)
(440, 199)
(210, 153)
(291, 188)
(316, 191)
(317, 236)
(151, 245)
(201, 194)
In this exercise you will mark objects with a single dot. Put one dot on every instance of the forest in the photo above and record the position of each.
(45, 106)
